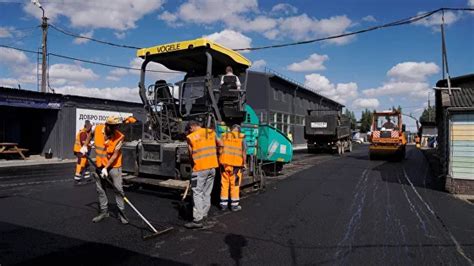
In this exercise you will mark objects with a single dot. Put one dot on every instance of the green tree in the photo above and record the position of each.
(366, 120)
(351, 117)
(428, 115)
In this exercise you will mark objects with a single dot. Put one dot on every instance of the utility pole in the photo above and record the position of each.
(44, 47)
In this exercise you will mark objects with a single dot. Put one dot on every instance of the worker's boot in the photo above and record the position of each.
(194, 225)
(102, 215)
(236, 208)
(123, 218)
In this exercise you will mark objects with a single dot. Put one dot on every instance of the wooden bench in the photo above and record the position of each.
(12, 148)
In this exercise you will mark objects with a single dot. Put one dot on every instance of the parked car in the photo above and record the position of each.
(356, 138)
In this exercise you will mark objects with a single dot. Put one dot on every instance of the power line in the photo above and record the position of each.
(75, 35)
(87, 61)
(400, 22)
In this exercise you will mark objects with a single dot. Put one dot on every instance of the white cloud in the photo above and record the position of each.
(413, 71)
(117, 74)
(6, 32)
(369, 103)
(63, 74)
(245, 16)
(259, 64)
(119, 14)
(340, 92)
(231, 39)
(284, 8)
(398, 88)
(113, 93)
(9, 82)
(11, 56)
(435, 20)
(314, 62)
(120, 34)
(369, 18)
(303, 27)
(209, 11)
(154, 76)
(170, 19)
(88, 34)
(408, 79)
(471, 3)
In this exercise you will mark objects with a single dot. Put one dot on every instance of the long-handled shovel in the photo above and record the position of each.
(155, 232)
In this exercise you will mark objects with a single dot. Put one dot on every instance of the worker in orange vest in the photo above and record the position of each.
(232, 158)
(108, 141)
(202, 147)
(82, 170)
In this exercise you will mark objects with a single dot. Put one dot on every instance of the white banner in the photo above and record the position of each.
(95, 116)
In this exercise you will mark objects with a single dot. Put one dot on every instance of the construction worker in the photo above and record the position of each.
(290, 136)
(82, 170)
(388, 124)
(232, 158)
(108, 142)
(230, 72)
(202, 146)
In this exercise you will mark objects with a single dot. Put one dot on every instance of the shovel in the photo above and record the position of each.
(155, 232)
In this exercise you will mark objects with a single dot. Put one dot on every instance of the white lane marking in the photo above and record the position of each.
(458, 246)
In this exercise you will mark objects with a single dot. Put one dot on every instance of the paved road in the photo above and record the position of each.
(331, 210)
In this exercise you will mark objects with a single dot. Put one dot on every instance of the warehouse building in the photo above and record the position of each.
(43, 122)
(455, 123)
(283, 102)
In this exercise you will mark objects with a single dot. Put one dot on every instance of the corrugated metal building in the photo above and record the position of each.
(455, 123)
(283, 102)
(43, 121)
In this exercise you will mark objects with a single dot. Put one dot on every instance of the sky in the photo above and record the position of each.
(375, 70)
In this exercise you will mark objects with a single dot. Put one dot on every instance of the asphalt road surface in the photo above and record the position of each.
(325, 210)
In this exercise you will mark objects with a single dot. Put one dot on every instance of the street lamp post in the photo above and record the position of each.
(44, 47)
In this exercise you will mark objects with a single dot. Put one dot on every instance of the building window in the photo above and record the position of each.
(283, 98)
(275, 95)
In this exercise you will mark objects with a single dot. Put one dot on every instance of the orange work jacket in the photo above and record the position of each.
(77, 143)
(231, 152)
(203, 144)
(105, 148)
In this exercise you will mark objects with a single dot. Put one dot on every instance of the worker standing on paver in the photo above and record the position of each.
(82, 166)
(230, 77)
(108, 142)
(232, 158)
(202, 146)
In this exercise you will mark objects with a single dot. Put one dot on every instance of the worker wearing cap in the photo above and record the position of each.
(232, 159)
(82, 171)
(202, 147)
(108, 142)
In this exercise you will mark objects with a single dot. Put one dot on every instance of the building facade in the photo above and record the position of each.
(43, 122)
(455, 124)
(284, 103)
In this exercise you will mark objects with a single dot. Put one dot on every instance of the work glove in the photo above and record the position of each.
(104, 173)
(84, 150)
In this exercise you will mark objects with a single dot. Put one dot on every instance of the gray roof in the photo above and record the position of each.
(273, 74)
(463, 98)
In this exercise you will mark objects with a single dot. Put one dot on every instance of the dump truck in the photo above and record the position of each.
(161, 156)
(327, 130)
(387, 136)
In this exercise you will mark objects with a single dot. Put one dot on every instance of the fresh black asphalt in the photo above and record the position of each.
(330, 210)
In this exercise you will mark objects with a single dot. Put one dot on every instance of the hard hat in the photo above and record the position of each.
(113, 120)
(130, 120)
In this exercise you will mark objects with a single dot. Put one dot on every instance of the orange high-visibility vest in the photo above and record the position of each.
(77, 144)
(104, 149)
(231, 153)
(203, 144)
